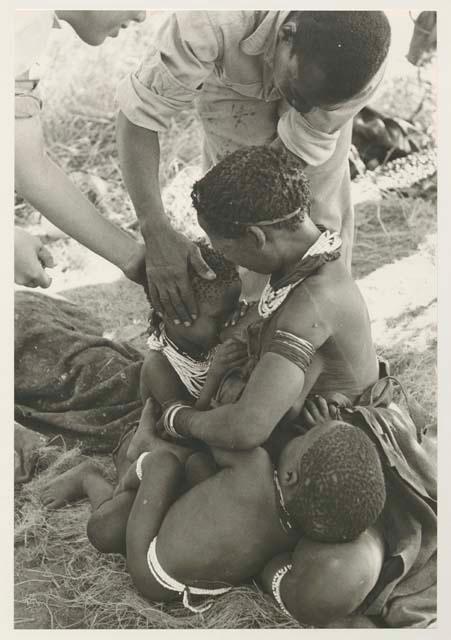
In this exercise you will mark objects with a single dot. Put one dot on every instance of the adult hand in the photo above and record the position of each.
(30, 260)
(167, 259)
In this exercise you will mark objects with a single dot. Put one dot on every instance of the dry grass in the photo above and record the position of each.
(61, 581)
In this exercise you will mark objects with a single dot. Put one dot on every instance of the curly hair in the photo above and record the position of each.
(341, 489)
(252, 185)
(206, 290)
(348, 46)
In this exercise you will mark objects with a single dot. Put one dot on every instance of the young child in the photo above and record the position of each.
(184, 362)
(328, 485)
(179, 365)
(37, 178)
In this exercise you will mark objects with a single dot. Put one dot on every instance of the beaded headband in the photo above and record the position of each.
(266, 223)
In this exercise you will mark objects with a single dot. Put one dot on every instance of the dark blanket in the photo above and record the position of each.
(406, 592)
(69, 380)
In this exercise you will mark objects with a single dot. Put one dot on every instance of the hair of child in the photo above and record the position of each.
(348, 46)
(253, 185)
(205, 290)
(341, 488)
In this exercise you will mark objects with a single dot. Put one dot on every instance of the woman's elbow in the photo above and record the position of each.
(250, 430)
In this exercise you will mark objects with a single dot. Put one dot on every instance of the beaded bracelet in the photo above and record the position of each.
(275, 586)
(169, 416)
(139, 465)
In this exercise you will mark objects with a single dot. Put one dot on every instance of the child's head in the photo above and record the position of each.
(252, 191)
(94, 26)
(326, 57)
(216, 299)
(333, 482)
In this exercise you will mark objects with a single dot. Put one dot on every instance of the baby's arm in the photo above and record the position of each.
(231, 353)
(159, 380)
(42, 183)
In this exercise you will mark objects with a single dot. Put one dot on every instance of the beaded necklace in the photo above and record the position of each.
(325, 248)
(284, 516)
(191, 372)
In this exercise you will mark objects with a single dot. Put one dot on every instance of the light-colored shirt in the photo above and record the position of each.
(32, 30)
(223, 61)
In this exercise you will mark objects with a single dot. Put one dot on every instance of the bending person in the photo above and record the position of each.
(291, 79)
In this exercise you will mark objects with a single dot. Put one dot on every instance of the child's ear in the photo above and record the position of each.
(257, 236)
(290, 477)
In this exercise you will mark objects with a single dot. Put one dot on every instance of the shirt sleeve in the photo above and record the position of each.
(27, 101)
(173, 71)
(313, 136)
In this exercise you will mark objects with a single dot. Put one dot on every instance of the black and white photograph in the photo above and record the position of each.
(225, 318)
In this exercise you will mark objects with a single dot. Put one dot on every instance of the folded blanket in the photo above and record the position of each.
(69, 380)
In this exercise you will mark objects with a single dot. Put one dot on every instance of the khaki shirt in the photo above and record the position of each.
(223, 63)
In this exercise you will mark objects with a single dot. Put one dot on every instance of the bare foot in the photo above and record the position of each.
(69, 486)
(145, 438)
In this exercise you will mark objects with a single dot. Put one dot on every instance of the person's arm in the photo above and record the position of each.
(159, 380)
(230, 354)
(45, 186)
(273, 387)
(167, 251)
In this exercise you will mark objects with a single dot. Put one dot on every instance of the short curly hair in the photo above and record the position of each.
(226, 275)
(348, 46)
(254, 184)
(341, 489)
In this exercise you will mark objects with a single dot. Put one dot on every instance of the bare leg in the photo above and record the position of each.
(83, 481)
(159, 488)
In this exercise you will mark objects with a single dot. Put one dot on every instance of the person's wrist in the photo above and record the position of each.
(170, 415)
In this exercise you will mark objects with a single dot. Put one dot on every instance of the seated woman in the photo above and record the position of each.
(312, 337)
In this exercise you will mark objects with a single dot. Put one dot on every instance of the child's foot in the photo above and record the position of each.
(70, 486)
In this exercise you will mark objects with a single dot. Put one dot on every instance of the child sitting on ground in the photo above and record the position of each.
(328, 485)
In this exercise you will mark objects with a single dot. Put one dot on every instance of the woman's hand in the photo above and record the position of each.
(30, 260)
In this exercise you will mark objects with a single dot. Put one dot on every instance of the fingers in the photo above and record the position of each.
(46, 257)
(322, 406)
(42, 279)
(199, 264)
(174, 298)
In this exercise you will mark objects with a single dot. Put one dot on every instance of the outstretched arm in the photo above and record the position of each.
(42, 183)
(167, 251)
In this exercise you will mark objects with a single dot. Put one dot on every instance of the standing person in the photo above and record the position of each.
(37, 178)
(290, 79)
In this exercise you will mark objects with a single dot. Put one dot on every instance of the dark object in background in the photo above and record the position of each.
(377, 138)
(424, 38)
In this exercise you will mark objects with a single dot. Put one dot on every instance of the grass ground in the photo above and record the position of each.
(61, 581)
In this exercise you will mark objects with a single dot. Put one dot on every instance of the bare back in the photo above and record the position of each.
(224, 529)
